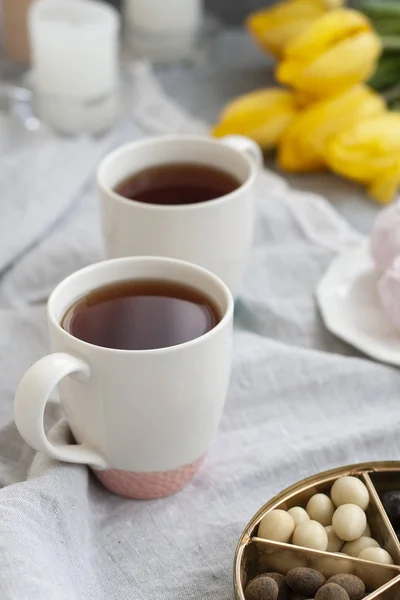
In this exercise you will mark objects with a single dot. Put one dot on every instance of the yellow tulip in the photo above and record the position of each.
(330, 4)
(262, 115)
(338, 50)
(369, 152)
(327, 4)
(303, 145)
(274, 27)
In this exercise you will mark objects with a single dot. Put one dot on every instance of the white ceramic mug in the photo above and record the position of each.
(216, 234)
(143, 420)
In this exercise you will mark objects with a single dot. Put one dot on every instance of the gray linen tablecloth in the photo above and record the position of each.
(299, 401)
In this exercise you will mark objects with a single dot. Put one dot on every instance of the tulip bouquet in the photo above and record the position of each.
(326, 116)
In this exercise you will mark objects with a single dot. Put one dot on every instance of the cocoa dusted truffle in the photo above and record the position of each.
(262, 588)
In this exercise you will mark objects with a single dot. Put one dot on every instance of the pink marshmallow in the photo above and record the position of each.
(385, 237)
(389, 292)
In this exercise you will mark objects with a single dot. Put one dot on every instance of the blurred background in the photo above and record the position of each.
(232, 66)
(232, 12)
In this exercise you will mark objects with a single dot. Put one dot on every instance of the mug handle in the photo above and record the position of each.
(30, 401)
(245, 145)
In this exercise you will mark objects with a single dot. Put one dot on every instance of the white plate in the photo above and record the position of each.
(351, 309)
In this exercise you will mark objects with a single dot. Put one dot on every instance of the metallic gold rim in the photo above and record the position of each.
(293, 490)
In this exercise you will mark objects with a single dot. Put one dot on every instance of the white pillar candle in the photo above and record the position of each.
(163, 30)
(74, 46)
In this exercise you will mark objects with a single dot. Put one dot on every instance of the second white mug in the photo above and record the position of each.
(215, 234)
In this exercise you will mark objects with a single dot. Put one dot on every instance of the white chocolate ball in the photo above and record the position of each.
(389, 292)
(320, 508)
(377, 555)
(335, 544)
(329, 567)
(350, 490)
(367, 532)
(281, 561)
(310, 534)
(298, 514)
(354, 548)
(349, 522)
(277, 525)
(385, 237)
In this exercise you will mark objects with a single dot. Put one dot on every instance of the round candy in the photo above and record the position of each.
(349, 522)
(283, 561)
(311, 534)
(331, 591)
(296, 596)
(354, 548)
(350, 490)
(377, 555)
(353, 585)
(385, 237)
(330, 567)
(305, 581)
(335, 544)
(277, 525)
(284, 591)
(298, 514)
(262, 588)
(320, 508)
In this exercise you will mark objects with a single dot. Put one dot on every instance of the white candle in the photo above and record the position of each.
(74, 46)
(163, 30)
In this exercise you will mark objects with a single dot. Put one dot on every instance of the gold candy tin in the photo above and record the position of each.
(255, 556)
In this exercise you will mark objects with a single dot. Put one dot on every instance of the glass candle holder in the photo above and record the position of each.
(75, 64)
(163, 32)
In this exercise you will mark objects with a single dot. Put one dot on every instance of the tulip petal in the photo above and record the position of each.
(331, 28)
(351, 61)
(274, 27)
(339, 50)
(263, 115)
(302, 147)
(328, 4)
(255, 104)
(369, 152)
(358, 163)
(384, 191)
(333, 4)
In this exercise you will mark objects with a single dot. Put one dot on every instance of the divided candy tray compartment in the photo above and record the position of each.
(256, 556)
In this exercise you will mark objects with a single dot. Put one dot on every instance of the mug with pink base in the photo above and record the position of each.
(142, 419)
